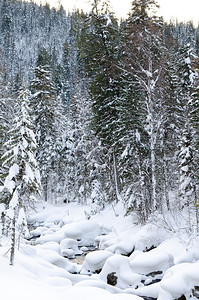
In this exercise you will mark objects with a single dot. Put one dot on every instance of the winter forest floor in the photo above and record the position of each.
(72, 254)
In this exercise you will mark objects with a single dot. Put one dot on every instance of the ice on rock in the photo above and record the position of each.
(95, 261)
(120, 266)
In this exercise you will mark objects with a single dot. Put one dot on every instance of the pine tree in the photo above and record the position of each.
(22, 182)
(47, 117)
(188, 178)
(187, 75)
(63, 78)
(98, 53)
(143, 58)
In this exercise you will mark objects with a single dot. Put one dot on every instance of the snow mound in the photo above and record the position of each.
(69, 248)
(57, 236)
(119, 266)
(191, 254)
(143, 238)
(179, 280)
(50, 246)
(84, 232)
(105, 241)
(58, 282)
(95, 261)
(90, 293)
(57, 260)
(148, 262)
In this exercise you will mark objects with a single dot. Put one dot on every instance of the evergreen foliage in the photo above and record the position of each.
(46, 117)
(22, 181)
(114, 106)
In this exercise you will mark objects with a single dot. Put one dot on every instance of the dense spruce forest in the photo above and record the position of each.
(98, 110)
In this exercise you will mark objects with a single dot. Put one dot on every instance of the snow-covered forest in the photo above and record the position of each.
(100, 114)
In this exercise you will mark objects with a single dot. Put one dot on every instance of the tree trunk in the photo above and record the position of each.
(12, 253)
(46, 189)
(118, 197)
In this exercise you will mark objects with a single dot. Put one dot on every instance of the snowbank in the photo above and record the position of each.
(130, 265)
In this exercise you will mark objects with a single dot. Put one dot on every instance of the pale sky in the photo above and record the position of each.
(183, 10)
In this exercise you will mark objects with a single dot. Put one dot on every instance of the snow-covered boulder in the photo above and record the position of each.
(69, 248)
(179, 280)
(119, 266)
(84, 232)
(57, 236)
(95, 261)
(143, 239)
(105, 241)
(191, 254)
(151, 291)
(152, 261)
(38, 231)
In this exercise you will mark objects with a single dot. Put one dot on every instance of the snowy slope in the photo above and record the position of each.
(125, 271)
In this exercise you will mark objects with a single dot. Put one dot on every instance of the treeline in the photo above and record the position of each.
(113, 108)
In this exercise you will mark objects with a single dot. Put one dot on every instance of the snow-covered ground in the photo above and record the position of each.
(123, 261)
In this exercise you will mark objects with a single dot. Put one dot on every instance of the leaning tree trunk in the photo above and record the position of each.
(12, 253)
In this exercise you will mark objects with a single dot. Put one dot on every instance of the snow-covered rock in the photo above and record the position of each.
(69, 247)
(108, 240)
(84, 232)
(191, 254)
(179, 280)
(38, 231)
(120, 266)
(95, 261)
(57, 236)
(151, 290)
(152, 261)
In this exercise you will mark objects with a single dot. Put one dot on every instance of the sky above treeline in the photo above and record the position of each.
(183, 10)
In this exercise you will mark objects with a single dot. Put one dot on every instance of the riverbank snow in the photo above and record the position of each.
(132, 261)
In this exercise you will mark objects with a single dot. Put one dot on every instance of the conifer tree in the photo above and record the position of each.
(99, 53)
(187, 75)
(47, 117)
(22, 182)
(143, 57)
